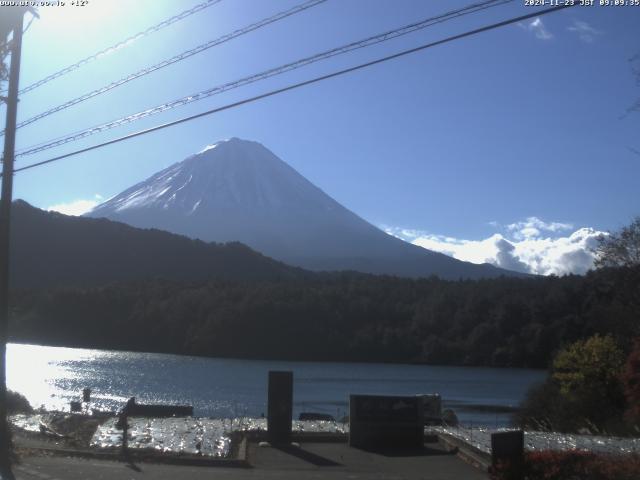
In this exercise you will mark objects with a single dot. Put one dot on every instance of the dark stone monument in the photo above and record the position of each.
(431, 408)
(386, 422)
(507, 448)
(280, 407)
(86, 395)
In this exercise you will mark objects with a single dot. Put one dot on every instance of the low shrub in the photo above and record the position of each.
(572, 465)
(17, 403)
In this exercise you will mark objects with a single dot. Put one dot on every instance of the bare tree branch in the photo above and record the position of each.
(620, 249)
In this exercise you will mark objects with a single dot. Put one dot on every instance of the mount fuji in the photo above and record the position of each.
(238, 190)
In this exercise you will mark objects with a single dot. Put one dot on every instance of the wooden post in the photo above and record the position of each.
(5, 217)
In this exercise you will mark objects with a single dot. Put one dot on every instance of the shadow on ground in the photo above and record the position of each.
(307, 456)
(409, 452)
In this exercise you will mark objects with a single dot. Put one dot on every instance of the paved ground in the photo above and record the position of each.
(310, 461)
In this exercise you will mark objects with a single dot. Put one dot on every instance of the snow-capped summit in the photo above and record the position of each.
(229, 174)
(238, 190)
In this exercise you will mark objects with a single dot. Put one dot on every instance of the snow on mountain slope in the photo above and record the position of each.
(239, 190)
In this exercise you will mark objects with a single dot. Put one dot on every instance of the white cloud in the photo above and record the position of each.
(539, 30)
(585, 32)
(524, 249)
(76, 207)
(506, 257)
(533, 227)
(562, 255)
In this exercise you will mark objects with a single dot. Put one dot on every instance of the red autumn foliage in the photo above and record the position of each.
(573, 465)
(631, 382)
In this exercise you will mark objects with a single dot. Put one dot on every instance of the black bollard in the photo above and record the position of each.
(507, 453)
(280, 407)
(86, 395)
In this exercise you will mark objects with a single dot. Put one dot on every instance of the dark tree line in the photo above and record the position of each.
(342, 317)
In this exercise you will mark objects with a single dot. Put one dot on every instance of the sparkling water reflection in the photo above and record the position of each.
(231, 388)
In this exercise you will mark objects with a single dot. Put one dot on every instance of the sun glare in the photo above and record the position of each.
(77, 16)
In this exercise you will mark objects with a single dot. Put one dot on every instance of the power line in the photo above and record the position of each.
(121, 44)
(298, 85)
(177, 58)
(391, 34)
(263, 75)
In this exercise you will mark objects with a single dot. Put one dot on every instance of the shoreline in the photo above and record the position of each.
(468, 445)
(277, 359)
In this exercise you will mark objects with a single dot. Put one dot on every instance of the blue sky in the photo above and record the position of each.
(511, 131)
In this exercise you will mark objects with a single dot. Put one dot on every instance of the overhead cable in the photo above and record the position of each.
(177, 58)
(263, 75)
(121, 44)
(298, 85)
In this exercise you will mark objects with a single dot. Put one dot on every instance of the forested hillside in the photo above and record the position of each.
(353, 317)
(48, 248)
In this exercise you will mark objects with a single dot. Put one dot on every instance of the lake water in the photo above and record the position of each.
(229, 388)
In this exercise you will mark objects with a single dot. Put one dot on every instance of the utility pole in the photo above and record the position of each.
(15, 17)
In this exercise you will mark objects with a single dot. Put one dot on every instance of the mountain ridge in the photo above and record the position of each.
(238, 190)
(51, 249)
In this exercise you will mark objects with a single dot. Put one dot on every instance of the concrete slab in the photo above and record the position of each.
(332, 461)
(338, 460)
